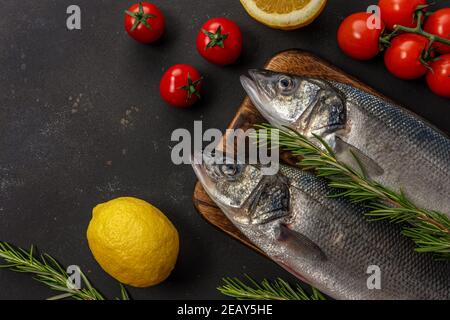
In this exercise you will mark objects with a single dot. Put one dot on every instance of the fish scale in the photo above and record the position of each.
(422, 150)
(406, 274)
(329, 241)
(402, 123)
(325, 240)
(396, 148)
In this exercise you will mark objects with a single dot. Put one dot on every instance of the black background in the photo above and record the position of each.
(81, 122)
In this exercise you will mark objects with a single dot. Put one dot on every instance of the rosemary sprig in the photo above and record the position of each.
(277, 290)
(49, 272)
(124, 293)
(430, 230)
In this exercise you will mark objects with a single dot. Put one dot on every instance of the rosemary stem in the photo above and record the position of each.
(430, 230)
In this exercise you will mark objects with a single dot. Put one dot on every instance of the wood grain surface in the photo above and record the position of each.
(294, 62)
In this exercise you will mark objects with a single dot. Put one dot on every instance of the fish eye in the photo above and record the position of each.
(224, 170)
(285, 83)
(230, 171)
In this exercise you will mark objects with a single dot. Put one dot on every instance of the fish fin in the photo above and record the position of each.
(300, 243)
(348, 153)
(271, 201)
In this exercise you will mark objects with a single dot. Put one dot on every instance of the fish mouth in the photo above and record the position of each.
(200, 172)
(251, 85)
(198, 160)
(235, 214)
(259, 96)
(255, 93)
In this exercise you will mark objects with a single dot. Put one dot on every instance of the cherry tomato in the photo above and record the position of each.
(439, 79)
(180, 86)
(439, 24)
(356, 39)
(403, 57)
(220, 41)
(144, 22)
(399, 12)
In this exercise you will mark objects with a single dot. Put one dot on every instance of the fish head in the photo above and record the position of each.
(242, 191)
(307, 105)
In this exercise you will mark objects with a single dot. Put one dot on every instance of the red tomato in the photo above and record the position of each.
(180, 86)
(400, 12)
(439, 24)
(439, 79)
(403, 57)
(356, 39)
(220, 41)
(144, 22)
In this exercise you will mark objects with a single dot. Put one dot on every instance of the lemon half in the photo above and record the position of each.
(284, 14)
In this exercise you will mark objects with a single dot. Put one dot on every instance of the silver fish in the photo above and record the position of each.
(396, 148)
(326, 241)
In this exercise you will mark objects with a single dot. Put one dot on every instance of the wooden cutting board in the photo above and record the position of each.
(292, 61)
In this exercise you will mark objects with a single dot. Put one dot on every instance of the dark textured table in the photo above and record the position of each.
(81, 122)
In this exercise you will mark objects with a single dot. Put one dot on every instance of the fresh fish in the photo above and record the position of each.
(326, 241)
(396, 148)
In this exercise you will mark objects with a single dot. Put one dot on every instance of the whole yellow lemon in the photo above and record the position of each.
(133, 241)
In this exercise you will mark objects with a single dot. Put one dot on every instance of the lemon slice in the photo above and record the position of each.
(284, 14)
